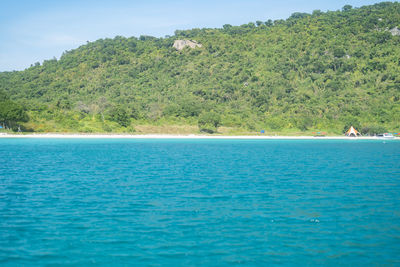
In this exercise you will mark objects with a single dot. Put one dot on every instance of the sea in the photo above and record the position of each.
(199, 202)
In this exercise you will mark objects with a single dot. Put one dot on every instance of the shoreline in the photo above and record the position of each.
(190, 136)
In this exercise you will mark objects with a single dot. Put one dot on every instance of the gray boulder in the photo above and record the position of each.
(395, 31)
(180, 44)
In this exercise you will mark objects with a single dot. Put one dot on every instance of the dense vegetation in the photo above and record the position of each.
(311, 72)
(11, 114)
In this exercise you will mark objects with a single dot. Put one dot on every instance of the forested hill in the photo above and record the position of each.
(311, 72)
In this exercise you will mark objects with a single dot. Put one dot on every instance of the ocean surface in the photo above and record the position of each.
(199, 202)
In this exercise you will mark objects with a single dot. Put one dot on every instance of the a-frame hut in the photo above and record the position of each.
(352, 132)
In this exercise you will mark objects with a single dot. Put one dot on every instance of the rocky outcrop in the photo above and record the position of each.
(395, 31)
(180, 44)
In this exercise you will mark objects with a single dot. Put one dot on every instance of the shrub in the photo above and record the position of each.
(209, 122)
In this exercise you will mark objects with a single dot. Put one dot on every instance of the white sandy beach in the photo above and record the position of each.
(190, 136)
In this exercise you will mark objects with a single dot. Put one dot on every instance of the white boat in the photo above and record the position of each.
(386, 136)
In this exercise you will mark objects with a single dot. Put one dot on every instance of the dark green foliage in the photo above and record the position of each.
(347, 8)
(185, 107)
(311, 71)
(298, 15)
(119, 115)
(373, 129)
(209, 121)
(339, 52)
(11, 113)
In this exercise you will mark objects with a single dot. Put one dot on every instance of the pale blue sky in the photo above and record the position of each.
(32, 31)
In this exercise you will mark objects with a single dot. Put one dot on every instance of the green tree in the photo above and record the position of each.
(259, 23)
(347, 8)
(11, 114)
(339, 52)
(269, 23)
(120, 115)
(373, 129)
(209, 122)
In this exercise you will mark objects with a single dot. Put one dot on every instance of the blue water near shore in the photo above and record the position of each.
(199, 202)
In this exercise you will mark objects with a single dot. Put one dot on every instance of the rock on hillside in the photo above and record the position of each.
(180, 44)
(395, 31)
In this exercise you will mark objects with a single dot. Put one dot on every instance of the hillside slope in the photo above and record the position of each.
(319, 71)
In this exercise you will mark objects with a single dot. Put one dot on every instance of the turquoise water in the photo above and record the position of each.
(199, 202)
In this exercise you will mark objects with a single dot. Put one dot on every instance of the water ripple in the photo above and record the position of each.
(199, 202)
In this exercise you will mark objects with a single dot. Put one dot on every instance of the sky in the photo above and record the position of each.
(33, 31)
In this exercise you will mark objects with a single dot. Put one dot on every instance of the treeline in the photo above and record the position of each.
(11, 114)
(319, 71)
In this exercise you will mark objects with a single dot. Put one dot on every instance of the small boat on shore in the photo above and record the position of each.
(386, 136)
